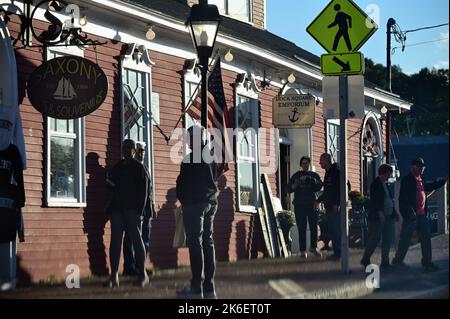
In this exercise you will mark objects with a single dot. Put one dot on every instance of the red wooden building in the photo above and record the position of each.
(67, 159)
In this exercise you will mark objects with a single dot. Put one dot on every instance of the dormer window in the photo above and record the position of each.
(237, 9)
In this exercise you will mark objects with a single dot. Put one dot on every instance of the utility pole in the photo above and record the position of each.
(390, 24)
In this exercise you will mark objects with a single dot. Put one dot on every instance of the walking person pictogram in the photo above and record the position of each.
(344, 21)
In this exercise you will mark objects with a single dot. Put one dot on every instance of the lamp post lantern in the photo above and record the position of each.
(203, 23)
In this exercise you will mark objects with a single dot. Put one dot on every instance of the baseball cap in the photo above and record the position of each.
(419, 162)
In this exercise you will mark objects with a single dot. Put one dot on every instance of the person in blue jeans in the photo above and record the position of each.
(129, 181)
(382, 215)
(305, 185)
(129, 266)
(197, 192)
(413, 207)
(331, 198)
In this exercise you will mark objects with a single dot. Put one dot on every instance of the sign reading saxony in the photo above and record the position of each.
(294, 111)
(67, 87)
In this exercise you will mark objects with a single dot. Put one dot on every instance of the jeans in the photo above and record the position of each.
(377, 231)
(129, 222)
(334, 223)
(198, 223)
(422, 225)
(129, 264)
(304, 215)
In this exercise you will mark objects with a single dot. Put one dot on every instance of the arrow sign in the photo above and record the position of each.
(342, 27)
(345, 66)
(342, 64)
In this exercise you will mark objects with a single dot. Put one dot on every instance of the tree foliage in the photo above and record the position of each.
(428, 90)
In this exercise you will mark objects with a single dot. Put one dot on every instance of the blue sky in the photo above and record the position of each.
(289, 19)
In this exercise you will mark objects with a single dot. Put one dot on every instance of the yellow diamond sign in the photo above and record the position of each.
(342, 27)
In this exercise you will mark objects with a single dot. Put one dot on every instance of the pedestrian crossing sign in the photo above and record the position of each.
(342, 27)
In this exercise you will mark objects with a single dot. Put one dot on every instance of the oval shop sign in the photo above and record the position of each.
(67, 87)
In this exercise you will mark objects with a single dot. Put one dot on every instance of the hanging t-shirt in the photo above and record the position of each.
(12, 194)
(420, 196)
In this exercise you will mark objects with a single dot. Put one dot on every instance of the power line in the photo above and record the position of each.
(419, 43)
(426, 28)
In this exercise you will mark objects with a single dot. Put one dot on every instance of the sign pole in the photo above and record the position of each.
(343, 113)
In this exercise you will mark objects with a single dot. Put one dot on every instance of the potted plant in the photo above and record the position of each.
(286, 220)
(358, 219)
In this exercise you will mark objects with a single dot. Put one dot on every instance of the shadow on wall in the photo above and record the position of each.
(223, 221)
(242, 239)
(162, 254)
(94, 217)
(24, 277)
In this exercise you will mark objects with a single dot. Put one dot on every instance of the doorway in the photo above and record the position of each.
(284, 175)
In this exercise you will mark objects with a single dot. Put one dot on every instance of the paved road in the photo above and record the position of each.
(274, 279)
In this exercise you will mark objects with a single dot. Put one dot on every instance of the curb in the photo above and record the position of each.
(435, 293)
(352, 290)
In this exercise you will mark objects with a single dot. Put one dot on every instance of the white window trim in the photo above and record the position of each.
(137, 59)
(80, 151)
(246, 89)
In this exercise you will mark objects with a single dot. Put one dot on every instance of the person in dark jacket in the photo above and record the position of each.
(129, 264)
(197, 192)
(381, 217)
(413, 207)
(331, 198)
(305, 185)
(129, 182)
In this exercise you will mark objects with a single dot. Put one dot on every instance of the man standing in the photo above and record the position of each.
(129, 267)
(381, 217)
(196, 190)
(129, 182)
(330, 198)
(413, 207)
(305, 184)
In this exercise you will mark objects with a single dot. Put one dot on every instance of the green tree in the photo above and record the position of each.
(428, 90)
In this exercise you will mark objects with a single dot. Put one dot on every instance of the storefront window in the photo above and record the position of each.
(66, 159)
(333, 140)
(136, 102)
(247, 119)
(134, 89)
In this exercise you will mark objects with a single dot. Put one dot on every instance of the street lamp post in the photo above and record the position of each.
(203, 22)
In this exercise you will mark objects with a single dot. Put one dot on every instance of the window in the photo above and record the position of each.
(333, 140)
(238, 9)
(190, 89)
(66, 169)
(135, 93)
(136, 102)
(247, 120)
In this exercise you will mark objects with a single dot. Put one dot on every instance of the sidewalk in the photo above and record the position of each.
(275, 278)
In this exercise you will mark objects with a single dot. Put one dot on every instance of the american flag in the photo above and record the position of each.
(218, 116)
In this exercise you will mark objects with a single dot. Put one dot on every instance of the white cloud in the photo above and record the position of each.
(444, 43)
(441, 65)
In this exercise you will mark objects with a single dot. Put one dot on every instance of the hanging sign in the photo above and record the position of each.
(294, 111)
(67, 87)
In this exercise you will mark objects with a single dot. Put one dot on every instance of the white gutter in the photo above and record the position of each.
(388, 98)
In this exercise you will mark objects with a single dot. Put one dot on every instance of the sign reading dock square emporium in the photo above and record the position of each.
(294, 111)
(67, 87)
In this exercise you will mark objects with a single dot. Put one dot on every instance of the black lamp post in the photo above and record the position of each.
(203, 24)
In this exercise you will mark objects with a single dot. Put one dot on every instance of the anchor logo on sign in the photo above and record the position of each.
(294, 118)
